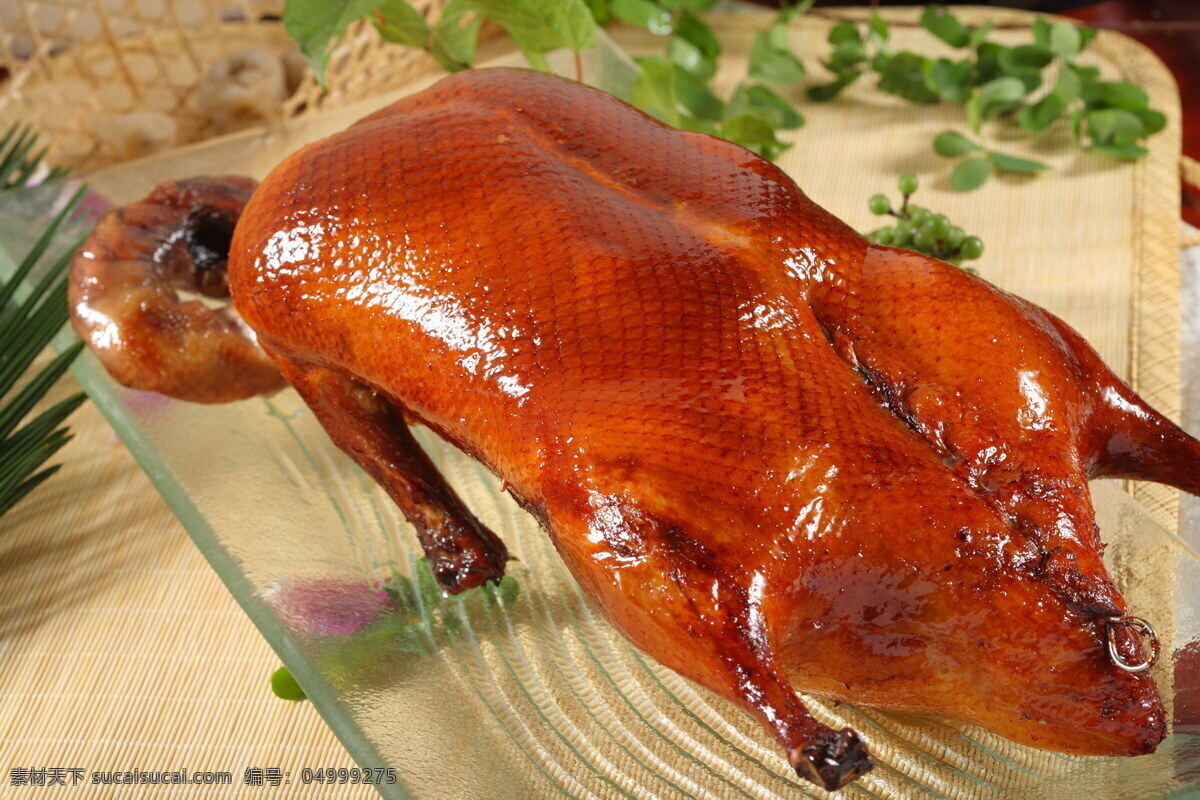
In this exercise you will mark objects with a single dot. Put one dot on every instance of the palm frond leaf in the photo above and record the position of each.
(18, 161)
(27, 325)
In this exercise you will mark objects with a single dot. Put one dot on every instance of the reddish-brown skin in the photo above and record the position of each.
(124, 295)
(775, 456)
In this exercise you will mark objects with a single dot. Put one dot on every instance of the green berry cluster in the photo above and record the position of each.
(920, 230)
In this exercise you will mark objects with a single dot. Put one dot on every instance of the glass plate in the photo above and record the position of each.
(525, 691)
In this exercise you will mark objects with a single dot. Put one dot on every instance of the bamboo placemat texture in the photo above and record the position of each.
(120, 648)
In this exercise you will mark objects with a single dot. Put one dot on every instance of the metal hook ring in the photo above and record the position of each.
(1141, 626)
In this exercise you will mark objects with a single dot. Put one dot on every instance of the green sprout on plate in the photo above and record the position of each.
(920, 230)
(356, 631)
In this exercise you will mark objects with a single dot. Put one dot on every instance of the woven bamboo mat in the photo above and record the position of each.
(120, 649)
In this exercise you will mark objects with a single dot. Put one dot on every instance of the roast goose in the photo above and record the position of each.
(777, 457)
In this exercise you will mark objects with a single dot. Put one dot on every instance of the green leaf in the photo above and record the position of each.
(654, 89)
(19, 159)
(1086, 75)
(970, 173)
(904, 76)
(695, 95)
(26, 328)
(1020, 166)
(1125, 151)
(771, 61)
(455, 35)
(504, 594)
(974, 112)
(22, 339)
(644, 14)
(1114, 126)
(285, 687)
(825, 92)
(539, 26)
(508, 590)
(698, 32)
(694, 47)
(11, 497)
(689, 58)
(949, 143)
(690, 123)
(1041, 32)
(35, 442)
(951, 80)
(600, 11)
(1077, 125)
(938, 20)
(427, 585)
(987, 62)
(755, 134)
(1114, 94)
(878, 27)
(1040, 115)
(1067, 86)
(760, 101)
(844, 31)
(316, 25)
(31, 436)
(1030, 78)
(573, 22)
(789, 12)
(399, 22)
(536, 59)
(1000, 95)
(846, 56)
(1085, 36)
(451, 618)
(979, 33)
(401, 594)
(24, 453)
(1065, 40)
(14, 410)
(1017, 60)
(1152, 121)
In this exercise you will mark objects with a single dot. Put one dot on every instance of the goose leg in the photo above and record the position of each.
(462, 552)
(691, 609)
(828, 758)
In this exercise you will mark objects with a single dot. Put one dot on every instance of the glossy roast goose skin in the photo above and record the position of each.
(775, 456)
(124, 295)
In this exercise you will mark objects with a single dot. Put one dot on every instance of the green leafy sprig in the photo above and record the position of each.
(997, 82)
(971, 172)
(451, 41)
(920, 230)
(535, 26)
(26, 328)
(404, 624)
(676, 87)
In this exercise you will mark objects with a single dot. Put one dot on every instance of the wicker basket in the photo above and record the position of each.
(109, 80)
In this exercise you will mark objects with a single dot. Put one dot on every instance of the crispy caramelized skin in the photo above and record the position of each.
(125, 303)
(775, 456)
